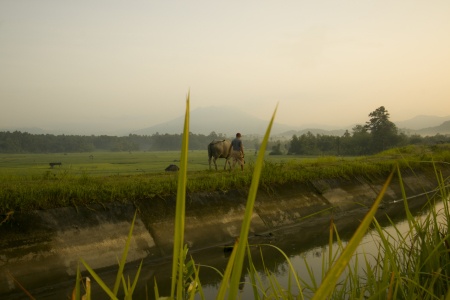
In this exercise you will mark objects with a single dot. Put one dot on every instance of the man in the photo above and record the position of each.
(237, 153)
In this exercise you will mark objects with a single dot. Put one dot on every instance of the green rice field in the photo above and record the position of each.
(120, 163)
(27, 182)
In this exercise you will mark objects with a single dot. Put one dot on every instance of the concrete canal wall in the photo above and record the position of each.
(43, 247)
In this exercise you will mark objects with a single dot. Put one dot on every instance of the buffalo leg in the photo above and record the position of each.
(227, 161)
(215, 162)
(210, 162)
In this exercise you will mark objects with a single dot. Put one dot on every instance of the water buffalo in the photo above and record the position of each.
(219, 149)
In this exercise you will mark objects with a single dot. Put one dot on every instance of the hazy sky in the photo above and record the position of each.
(129, 64)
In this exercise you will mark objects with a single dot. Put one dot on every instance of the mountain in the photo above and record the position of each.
(421, 122)
(444, 128)
(72, 129)
(35, 130)
(224, 119)
(290, 133)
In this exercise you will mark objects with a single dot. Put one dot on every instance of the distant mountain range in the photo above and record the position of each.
(421, 122)
(225, 119)
(444, 128)
(36, 130)
(229, 120)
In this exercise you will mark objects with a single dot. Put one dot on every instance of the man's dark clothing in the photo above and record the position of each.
(236, 143)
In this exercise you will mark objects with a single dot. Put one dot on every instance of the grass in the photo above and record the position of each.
(122, 163)
(62, 187)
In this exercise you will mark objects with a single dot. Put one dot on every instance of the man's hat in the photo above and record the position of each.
(238, 134)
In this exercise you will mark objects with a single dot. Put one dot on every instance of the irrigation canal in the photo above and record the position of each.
(297, 242)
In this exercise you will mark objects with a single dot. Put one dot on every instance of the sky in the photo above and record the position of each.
(129, 64)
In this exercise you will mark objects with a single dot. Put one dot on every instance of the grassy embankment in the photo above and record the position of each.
(42, 188)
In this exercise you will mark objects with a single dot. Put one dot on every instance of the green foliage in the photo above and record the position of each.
(276, 150)
(377, 135)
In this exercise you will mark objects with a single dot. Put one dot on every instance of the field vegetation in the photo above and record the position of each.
(122, 163)
(24, 186)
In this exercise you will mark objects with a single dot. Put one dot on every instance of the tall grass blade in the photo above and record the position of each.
(200, 289)
(391, 286)
(20, 286)
(272, 286)
(193, 285)
(76, 292)
(125, 289)
(291, 267)
(235, 277)
(335, 272)
(99, 281)
(136, 279)
(88, 288)
(330, 245)
(181, 201)
(124, 258)
(227, 274)
(252, 274)
(156, 290)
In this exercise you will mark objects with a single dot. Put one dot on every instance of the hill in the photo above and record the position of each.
(314, 131)
(224, 119)
(444, 128)
(421, 122)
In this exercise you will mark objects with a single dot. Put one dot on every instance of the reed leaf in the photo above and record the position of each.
(99, 281)
(88, 288)
(226, 276)
(335, 272)
(177, 264)
(156, 290)
(124, 258)
(251, 271)
(20, 286)
(76, 292)
(136, 279)
(235, 277)
(200, 289)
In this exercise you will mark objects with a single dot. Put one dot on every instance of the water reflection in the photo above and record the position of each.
(303, 244)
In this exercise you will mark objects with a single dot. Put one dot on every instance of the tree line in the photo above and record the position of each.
(23, 142)
(378, 134)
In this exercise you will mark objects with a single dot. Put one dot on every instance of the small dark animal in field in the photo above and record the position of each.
(91, 156)
(54, 164)
(172, 168)
(219, 149)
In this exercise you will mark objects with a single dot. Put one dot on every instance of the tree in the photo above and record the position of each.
(361, 140)
(359, 129)
(384, 132)
(213, 135)
(276, 150)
